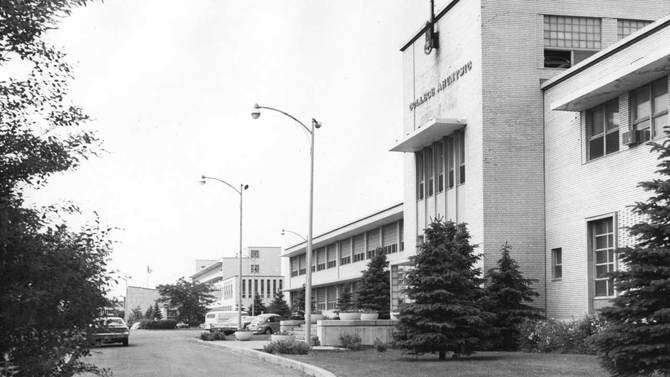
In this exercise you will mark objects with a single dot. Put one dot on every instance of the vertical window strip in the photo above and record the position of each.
(450, 161)
(461, 157)
(439, 165)
(430, 172)
(420, 179)
(649, 110)
(602, 245)
(557, 263)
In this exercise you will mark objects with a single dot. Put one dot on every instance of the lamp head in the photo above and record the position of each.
(245, 187)
(202, 179)
(316, 123)
(283, 232)
(256, 113)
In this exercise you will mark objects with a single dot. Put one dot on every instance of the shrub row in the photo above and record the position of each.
(291, 347)
(550, 335)
(212, 335)
(161, 324)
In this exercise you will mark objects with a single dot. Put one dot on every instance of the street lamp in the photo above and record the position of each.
(284, 231)
(239, 278)
(255, 114)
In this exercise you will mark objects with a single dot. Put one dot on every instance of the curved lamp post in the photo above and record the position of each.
(255, 114)
(239, 278)
(284, 231)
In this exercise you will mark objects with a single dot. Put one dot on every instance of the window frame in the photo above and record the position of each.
(420, 176)
(653, 113)
(557, 263)
(562, 40)
(602, 110)
(610, 254)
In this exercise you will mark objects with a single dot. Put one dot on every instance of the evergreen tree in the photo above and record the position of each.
(279, 305)
(507, 295)
(258, 308)
(298, 304)
(636, 341)
(444, 286)
(374, 290)
(157, 312)
(345, 302)
(149, 314)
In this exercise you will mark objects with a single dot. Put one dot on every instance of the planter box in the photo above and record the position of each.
(243, 335)
(275, 338)
(317, 317)
(350, 316)
(369, 316)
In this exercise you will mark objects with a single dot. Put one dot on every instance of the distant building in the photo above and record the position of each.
(140, 297)
(261, 273)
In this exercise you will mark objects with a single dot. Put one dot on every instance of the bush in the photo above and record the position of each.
(351, 341)
(162, 324)
(315, 341)
(212, 335)
(556, 336)
(380, 346)
(290, 347)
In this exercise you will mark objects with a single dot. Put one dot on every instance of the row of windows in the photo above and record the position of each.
(601, 248)
(445, 158)
(325, 298)
(386, 239)
(569, 40)
(265, 288)
(648, 115)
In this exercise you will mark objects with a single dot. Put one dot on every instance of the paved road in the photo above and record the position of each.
(175, 353)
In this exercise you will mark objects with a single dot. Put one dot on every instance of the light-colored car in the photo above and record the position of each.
(230, 326)
(108, 330)
(217, 319)
(265, 324)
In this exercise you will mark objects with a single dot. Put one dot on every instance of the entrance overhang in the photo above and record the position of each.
(428, 133)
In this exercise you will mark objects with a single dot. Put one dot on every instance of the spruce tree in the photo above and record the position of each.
(149, 314)
(507, 296)
(279, 305)
(345, 302)
(636, 341)
(444, 314)
(259, 308)
(374, 289)
(157, 312)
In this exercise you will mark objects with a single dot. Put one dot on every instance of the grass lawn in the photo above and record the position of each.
(370, 363)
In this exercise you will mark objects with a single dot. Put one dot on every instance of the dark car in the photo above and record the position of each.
(108, 330)
(265, 324)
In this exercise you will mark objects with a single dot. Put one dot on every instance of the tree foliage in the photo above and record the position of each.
(157, 315)
(279, 305)
(375, 286)
(298, 304)
(258, 306)
(53, 278)
(189, 299)
(507, 296)
(444, 314)
(345, 301)
(637, 340)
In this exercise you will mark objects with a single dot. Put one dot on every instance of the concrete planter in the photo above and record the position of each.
(276, 338)
(350, 316)
(369, 316)
(317, 317)
(243, 335)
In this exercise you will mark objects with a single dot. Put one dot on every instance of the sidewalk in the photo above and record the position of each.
(254, 348)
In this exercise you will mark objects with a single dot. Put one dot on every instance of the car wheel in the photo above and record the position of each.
(268, 331)
(125, 342)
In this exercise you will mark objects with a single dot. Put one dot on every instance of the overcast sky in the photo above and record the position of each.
(170, 85)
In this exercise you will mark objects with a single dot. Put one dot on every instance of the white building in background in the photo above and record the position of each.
(261, 273)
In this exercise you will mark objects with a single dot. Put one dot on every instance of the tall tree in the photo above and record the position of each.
(508, 294)
(190, 300)
(157, 311)
(375, 286)
(53, 277)
(258, 305)
(445, 289)
(279, 305)
(637, 340)
(345, 301)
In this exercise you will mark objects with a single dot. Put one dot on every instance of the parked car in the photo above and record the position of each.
(108, 330)
(230, 326)
(217, 319)
(265, 324)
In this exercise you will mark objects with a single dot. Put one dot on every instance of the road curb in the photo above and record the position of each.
(308, 369)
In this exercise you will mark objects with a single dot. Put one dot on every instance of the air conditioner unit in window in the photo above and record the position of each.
(628, 138)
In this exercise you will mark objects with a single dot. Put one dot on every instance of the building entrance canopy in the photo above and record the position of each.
(428, 133)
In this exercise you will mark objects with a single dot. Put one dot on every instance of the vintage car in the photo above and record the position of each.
(265, 324)
(108, 330)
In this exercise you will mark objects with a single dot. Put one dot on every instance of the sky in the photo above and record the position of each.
(169, 87)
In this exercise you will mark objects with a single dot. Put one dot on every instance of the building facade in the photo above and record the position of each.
(598, 117)
(476, 148)
(261, 273)
(340, 255)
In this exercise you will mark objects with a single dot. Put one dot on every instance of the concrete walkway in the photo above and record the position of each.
(254, 348)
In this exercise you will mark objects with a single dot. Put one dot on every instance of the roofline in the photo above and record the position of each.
(134, 286)
(604, 54)
(207, 269)
(346, 225)
(423, 28)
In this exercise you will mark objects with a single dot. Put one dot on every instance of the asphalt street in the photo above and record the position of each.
(175, 353)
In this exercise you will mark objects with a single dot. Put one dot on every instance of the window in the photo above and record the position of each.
(345, 252)
(249, 291)
(602, 129)
(262, 288)
(628, 27)
(294, 266)
(439, 165)
(358, 248)
(268, 291)
(419, 176)
(400, 235)
(569, 40)
(373, 242)
(255, 269)
(557, 263)
(302, 264)
(321, 259)
(602, 251)
(281, 283)
(428, 156)
(450, 161)
(331, 256)
(255, 287)
(649, 110)
(244, 290)
(274, 285)
(253, 254)
(461, 158)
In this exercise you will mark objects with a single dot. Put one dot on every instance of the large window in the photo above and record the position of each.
(569, 40)
(345, 251)
(602, 251)
(628, 27)
(302, 264)
(602, 129)
(649, 110)
(461, 158)
(450, 161)
(294, 266)
(439, 165)
(420, 177)
(442, 164)
(253, 254)
(321, 259)
(428, 157)
(358, 248)
(331, 256)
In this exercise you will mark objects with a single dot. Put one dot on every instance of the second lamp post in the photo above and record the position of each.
(256, 113)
